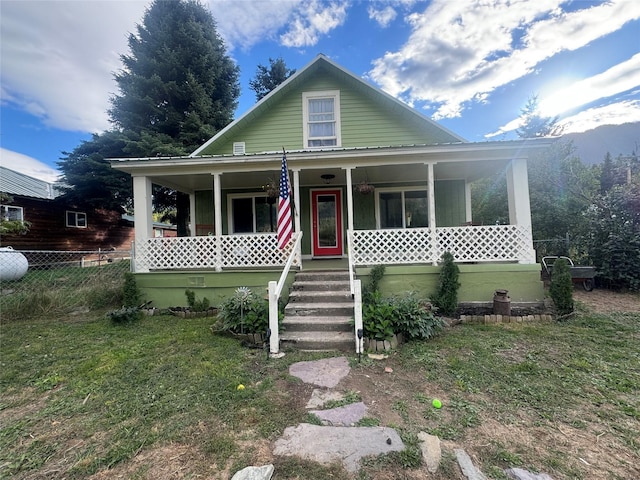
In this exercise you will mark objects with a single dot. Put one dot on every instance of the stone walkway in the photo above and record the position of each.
(338, 439)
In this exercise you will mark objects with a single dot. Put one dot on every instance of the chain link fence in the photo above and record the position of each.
(35, 282)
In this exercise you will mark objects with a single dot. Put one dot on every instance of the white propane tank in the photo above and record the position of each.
(13, 264)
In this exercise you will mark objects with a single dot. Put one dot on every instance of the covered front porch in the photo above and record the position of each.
(418, 207)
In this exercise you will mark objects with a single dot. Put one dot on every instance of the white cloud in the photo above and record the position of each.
(459, 55)
(384, 16)
(616, 80)
(244, 23)
(619, 78)
(58, 58)
(627, 111)
(27, 165)
(313, 20)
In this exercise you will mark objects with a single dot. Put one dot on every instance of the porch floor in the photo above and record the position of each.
(325, 264)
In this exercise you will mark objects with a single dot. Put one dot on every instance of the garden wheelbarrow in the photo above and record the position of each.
(579, 274)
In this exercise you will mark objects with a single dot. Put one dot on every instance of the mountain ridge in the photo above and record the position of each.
(592, 146)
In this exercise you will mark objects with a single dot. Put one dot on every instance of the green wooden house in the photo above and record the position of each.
(373, 182)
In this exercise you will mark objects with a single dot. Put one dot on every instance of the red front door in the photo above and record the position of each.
(326, 207)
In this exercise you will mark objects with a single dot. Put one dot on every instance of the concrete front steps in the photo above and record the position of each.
(319, 312)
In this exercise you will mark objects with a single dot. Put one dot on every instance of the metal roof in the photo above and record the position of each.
(16, 183)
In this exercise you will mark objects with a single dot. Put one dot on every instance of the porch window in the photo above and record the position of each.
(402, 208)
(10, 213)
(76, 219)
(321, 112)
(251, 214)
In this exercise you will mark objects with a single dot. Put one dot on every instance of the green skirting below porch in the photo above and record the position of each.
(166, 289)
(478, 282)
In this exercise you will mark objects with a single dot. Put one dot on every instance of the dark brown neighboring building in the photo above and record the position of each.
(56, 225)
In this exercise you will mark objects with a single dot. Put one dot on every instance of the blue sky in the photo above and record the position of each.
(469, 65)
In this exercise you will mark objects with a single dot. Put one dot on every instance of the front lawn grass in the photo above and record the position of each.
(79, 396)
(116, 390)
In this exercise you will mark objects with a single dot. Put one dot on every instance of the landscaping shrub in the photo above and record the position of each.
(378, 316)
(446, 298)
(196, 305)
(408, 315)
(375, 276)
(245, 312)
(561, 287)
(131, 295)
(414, 318)
(125, 315)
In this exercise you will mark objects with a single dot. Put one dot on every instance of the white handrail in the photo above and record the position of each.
(351, 262)
(275, 289)
(357, 316)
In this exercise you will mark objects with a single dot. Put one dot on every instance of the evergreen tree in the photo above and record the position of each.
(607, 175)
(446, 297)
(177, 82)
(176, 90)
(267, 79)
(561, 288)
(534, 124)
(90, 181)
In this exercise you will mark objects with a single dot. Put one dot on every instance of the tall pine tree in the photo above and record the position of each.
(177, 83)
(178, 88)
(267, 79)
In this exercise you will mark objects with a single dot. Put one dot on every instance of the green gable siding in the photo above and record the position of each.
(450, 203)
(364, 211)
(367, 119)
(204, 211)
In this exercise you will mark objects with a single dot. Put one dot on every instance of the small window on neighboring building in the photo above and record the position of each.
(11, 213)
(76, 219)
(321, 116)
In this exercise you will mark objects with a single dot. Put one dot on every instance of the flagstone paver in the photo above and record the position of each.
(346, 415)
(324, 373)
(347, 445)
(339, 441)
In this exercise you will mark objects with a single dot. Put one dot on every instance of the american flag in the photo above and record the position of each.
(284, 207)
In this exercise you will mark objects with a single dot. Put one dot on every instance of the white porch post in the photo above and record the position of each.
(467, 202)
(192, 214)
(217, 205)
(519, 206)
(431, 196)
(217, 219)
(143, 211)
(296, 199)
(349, 199)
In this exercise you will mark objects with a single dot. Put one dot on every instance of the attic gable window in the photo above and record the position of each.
(321, 113)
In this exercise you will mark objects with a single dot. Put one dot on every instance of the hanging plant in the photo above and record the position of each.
(272, 191)
(364, 188)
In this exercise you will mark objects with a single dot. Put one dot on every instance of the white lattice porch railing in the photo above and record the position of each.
(492, 243)
(212, 253)
(392, 246)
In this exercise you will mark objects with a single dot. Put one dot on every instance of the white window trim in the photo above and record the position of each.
(4, 210)
(306, 96)
(230, 197)
(402, 191)
(66, 219)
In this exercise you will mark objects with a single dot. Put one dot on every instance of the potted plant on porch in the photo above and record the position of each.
(364, 188)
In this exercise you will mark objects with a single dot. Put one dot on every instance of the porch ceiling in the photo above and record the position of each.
(311, 176)
(379, 165)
